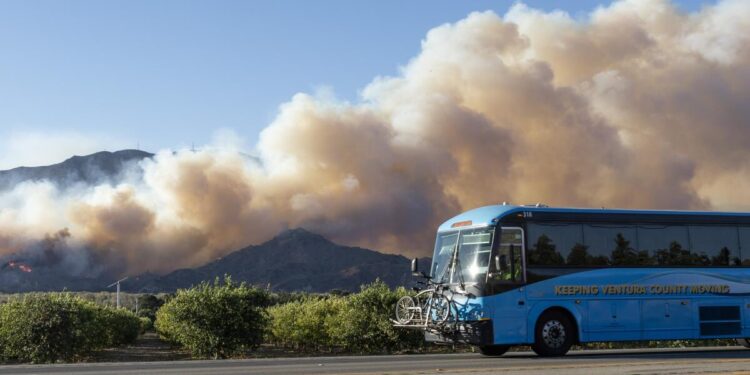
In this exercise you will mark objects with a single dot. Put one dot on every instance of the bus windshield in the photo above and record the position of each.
(473, 247)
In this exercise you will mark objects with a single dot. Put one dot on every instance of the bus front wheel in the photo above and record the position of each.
(744, 342)
(554, 334)
(494, 350)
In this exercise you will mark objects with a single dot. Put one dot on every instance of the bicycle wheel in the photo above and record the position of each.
(441, 309)
(424, 307)
(405, 309)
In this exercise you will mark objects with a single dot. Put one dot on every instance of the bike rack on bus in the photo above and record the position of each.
(448, 329)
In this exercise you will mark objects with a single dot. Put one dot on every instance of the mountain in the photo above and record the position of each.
(295, 260)
(91, 169)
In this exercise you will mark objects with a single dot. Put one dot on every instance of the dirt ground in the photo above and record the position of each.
(147, 348)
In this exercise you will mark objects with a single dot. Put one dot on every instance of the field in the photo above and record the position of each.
(229, 320)
(109, 299)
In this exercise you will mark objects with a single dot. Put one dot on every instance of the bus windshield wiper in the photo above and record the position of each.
(455, 264)
(449, 266)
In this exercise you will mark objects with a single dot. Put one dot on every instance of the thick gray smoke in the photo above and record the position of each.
(640, 105)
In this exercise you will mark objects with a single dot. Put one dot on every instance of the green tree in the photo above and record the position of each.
(579, 256)
(723, 258)
(364, 325)
(215, 320)
(543, 253)
(54, 327)
(676, 255)
(122, 326)
(148, 305)
(623, 254)
(305, 324)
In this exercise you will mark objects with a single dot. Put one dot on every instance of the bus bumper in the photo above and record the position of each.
(471, 332)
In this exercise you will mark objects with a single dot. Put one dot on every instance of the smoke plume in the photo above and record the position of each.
(638, 106)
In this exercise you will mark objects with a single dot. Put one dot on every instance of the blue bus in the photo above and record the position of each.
(554, 277)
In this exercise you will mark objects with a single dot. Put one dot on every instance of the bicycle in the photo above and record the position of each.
(432, 306)
(428, 306)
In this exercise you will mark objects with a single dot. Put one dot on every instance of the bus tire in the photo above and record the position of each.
(554, 334)
(744, 342)
(493, 350)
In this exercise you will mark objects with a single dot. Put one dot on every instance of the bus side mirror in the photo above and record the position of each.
(415, 269)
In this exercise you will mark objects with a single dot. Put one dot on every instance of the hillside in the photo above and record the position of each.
(90, 169)
(295, 260)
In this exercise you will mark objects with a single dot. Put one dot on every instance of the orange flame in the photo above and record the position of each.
(19, 266)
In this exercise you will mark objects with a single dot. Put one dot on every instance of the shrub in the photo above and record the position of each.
(278, 298)
(215, 320)
(363, 324)
(148, 305)
(359, 322)
(59, 327)
(146, 324)
(304, 324)
(121, 326)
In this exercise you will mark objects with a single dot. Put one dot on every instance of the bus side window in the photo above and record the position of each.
(503, 265)
(717, 245)
(517, 263)
(508, 261)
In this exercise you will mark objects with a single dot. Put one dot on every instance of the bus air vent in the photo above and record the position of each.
(719, 320)
(538, 205)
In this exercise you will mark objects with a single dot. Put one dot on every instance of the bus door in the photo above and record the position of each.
(505, 284)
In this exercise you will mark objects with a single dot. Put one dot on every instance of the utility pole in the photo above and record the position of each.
(117, 283)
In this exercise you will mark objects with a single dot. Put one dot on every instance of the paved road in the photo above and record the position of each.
(653, 361)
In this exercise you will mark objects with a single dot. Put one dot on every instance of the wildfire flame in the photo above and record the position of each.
(15, 265)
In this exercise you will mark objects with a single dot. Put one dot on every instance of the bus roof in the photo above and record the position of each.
(487, 215)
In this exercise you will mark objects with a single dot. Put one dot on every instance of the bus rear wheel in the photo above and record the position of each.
(744, 342)
(494, 350)
(554, 334)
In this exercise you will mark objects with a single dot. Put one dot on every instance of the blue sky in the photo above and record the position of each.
(166, 74)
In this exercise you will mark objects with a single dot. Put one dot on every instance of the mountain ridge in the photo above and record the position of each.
(96, 168)
(294, 260)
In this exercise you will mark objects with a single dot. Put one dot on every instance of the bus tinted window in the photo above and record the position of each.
(715, 244)
(551, 244)
(667, 245)
(609, 244)
(594, 244)
(745, 245)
